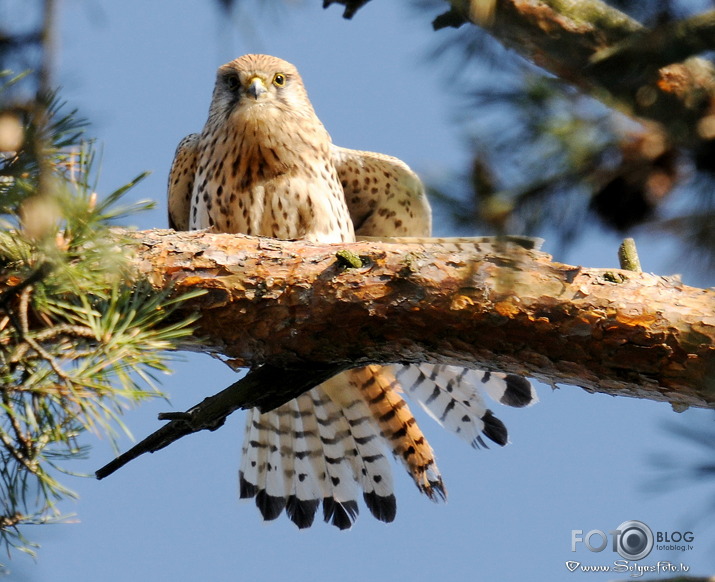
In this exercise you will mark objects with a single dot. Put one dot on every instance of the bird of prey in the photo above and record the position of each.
(264, 165)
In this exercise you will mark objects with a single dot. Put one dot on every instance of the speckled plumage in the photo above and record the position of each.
(264, 165)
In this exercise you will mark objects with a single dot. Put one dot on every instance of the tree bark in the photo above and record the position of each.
(493, 305)
(609, 55)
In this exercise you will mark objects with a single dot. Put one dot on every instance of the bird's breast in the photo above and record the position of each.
(279, 184)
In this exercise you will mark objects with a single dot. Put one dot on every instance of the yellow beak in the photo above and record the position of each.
(256, 87)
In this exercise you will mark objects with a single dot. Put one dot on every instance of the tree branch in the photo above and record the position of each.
(492, 305)
(661, 46)
(586, 43)
(266, 387)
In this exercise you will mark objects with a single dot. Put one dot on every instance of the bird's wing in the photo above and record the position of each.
(181, 182)
(384, 197)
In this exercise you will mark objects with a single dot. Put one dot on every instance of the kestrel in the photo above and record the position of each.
(264, 165)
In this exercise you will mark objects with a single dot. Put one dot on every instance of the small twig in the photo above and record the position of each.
(51, 360)
(70, 331)
(25, 328)
(56, 389)
(42, 271)
(48, 39)
(19, 353)
(628, 256)
(74, 331)
(17, 455)
(8, 521)
(24, 308)
(266, 388)
(22, 288)
(19, 436)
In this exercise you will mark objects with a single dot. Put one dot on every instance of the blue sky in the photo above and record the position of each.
(142, 72)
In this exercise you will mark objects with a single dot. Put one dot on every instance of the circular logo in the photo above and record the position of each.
(635, 541)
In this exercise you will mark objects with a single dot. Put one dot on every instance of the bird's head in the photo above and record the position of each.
(256, 86)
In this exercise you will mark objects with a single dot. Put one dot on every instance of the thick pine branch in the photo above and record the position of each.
(484, 305)
(610, 56)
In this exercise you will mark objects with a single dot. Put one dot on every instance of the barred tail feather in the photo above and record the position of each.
(508, 389)
(380, 389)
(260, 473)
(273, 458)
(248, 471)
(447, 398)
(451, 396)
(308, 466)
(340, 503)
(370, 466)
(271, 499)
(252, 474)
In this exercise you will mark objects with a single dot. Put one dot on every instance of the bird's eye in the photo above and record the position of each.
(232, 82)
(279, 80)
